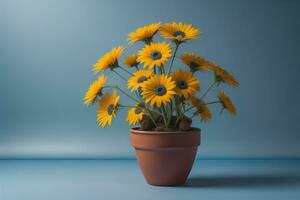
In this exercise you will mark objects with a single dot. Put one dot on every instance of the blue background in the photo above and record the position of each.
(48, 49)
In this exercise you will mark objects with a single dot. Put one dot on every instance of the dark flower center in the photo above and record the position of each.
(194, 65)
(138, 111)
(160, 90)
(201, 109)
(110, 109)
(182, 84)
(100, 94)
(156, 55)
(114, 65)
(218, 78)
(179, 33)
(139, 90)
(142, 79)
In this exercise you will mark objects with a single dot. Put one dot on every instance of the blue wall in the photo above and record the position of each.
(48, 48)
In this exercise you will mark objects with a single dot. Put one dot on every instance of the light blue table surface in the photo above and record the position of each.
(122, 179)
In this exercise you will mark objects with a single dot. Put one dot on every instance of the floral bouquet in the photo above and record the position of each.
(163, 96)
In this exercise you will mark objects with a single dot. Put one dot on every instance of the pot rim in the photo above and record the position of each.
(165, 140)
(193, 130)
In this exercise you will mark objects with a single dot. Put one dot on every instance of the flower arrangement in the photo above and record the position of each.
(163, 98)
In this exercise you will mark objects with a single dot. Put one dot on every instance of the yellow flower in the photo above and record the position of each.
(194, 62)
(107, 108)
(186, 83)
(94, 90)
(158, 90)
(135, 115)
(179, 32)
(155, 54)
(221, 75)
(143, 33)
(138, 78)
(202, 108)
(109, 60)
(227, 103)
(131, 60)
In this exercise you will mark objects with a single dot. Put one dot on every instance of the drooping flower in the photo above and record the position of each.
(107, 109)
(194, 62)
(202, 108)
(226, 103)
(135, 115)
(179, 32)
(144, 33)
(158, 90)
(186, 83)
(134, 83)
(155, 54)
(95, 90)
(109, 60)
(221, 75)
(131, 60)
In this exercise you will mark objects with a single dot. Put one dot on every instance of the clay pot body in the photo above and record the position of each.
(165, 158)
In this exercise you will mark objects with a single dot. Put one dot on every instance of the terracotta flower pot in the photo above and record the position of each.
(165, 158)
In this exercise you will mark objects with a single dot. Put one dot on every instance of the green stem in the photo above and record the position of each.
(188, 109)
(171, 113)
(177, 120)
(208, 89)
(221, 111)
(125, 106)
(138, 95)
(161, 71)
(150, 115)
(195, 114)
(164, 115)
(125, 70)
(176, 106)
(213, 102)
(119, 75)
(165, 109)
(134, 99)
(158, 113)
(109, 86)
(178, 112)
(171, 64)
(148, 41)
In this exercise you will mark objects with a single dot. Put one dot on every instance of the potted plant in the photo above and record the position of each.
(165, 98)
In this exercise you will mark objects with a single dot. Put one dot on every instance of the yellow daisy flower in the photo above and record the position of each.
(194, 62)
(131, 60)
(186, 83)
(109, 60)
(107, 108)
(202, 108)
(179, 32)
(222, 75)
(144, 33)
(135, 115)
(134, 83)
(227, 103)
(158, 90)
(155, 54)
(94, 90)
